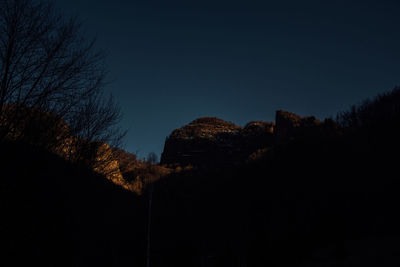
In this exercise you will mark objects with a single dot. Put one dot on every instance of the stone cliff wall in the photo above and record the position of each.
(290, 126)
(211, 141)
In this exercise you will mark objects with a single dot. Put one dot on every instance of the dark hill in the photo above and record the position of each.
(55, 213)
(324, 195)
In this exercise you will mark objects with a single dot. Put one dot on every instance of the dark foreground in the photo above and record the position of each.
(328, 200)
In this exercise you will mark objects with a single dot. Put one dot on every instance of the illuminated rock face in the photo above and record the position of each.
(106, 163)
(210, 141)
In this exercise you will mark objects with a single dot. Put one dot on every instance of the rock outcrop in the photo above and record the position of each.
(210, 141)
(290, 126)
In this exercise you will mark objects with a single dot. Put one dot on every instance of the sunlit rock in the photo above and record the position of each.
(210, 141)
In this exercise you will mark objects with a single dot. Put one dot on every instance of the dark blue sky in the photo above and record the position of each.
(173, 61)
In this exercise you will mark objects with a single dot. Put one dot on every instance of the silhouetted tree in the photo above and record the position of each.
(384, 109)
(47, 66)
(152, 158)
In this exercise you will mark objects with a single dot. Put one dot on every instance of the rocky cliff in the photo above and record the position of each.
(290, 126)
(210, 141)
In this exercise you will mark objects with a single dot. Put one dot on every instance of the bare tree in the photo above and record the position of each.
(152, 158)
(49, 67)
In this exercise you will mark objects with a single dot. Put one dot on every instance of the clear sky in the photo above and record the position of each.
(173, 61)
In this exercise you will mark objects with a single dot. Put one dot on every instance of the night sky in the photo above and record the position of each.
(171, 62)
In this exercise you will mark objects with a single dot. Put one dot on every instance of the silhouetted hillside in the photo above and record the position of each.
(55, 213)
(50, 133)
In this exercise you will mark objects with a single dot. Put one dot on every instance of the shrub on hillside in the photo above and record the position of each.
(381, 111)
